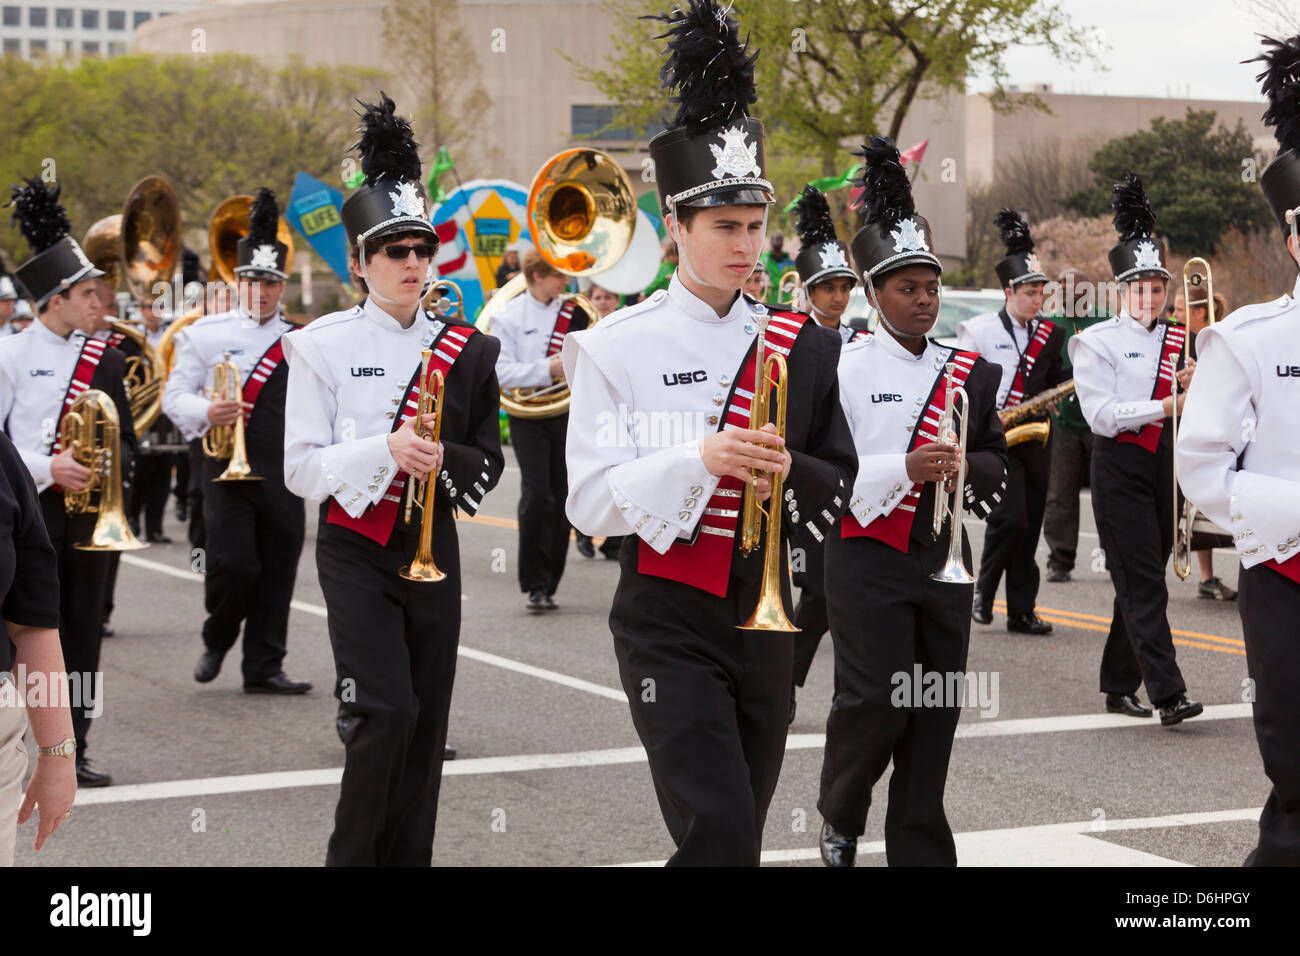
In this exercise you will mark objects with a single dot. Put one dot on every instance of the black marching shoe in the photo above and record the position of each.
(208, 667)
(537, 601)
(158, 538)
(1057, 575)
(548, 603)
(182, 512)
(837, 849)
(1179, 710)
(89, 777)
(585, 547)
(448, 753)
(278, 684)
(981, 610)
(1126, 704)
(1029, 623)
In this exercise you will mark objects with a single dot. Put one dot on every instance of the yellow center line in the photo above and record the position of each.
(1056, 617)
(1001, 607)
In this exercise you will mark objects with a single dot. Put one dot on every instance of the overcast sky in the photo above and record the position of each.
(1156, 48)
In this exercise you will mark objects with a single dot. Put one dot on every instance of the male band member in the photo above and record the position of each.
(1027, 348)
(827, 282)
(605, 303)
(709, 701)
(532, 328)
(1124, 374)
(1071, 444)
(1239, 463)
(8, 295)
(254, 528)
(22, 317)
(887, 615)
(354, 383)
(42, 371)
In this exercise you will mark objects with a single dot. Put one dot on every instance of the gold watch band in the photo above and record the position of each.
(64, 748)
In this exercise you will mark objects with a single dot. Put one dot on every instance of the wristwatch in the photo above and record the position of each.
(64, 748)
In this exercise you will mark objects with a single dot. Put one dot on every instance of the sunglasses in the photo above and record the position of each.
(422, 250)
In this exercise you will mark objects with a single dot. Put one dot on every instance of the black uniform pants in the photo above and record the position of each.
(394, 645)
(1013, 527)
(182, 488)
(887, 618)
(149, 491)
(254, 538)
(1132, 501)
(711, 704)
(810, 612)
(83, 590)
(198, 471)
(544, 481)
(1269, 605)
(1071, 452)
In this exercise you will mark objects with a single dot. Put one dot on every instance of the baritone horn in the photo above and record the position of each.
(954, 569)
(91, 431)
(227, 441)
(770, 614)
(418, 492)
(1198, 289)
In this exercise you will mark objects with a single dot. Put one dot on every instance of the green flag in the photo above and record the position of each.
(829, 184)
(355, 180)
(442, 163)
(649, 204)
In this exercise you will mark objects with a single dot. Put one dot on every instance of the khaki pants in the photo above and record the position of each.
(13, 766)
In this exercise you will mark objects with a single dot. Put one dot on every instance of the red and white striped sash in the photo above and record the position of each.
(1149, 436)
(1032, 351)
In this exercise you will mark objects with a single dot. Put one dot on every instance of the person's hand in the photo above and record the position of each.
(51, 791)
(734, 451)
(556, 366)
(1185, 374)
(415, 455)
(932, 462)
(69, 473)
(225, 412)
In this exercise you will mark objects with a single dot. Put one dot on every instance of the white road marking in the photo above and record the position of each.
(1052, 844)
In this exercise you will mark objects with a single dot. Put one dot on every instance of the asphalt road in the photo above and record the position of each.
(550, 770)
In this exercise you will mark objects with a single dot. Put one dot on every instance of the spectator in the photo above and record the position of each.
(509, 267)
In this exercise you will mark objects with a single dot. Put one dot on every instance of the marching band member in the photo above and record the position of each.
(605, 303)
(254, 528)
(709, 701)
(1015, 338)
(1238, 463)
(887, 616)
(827, 282)
(532, 328)
(350, 438)
(1123, 378)
(42, 371)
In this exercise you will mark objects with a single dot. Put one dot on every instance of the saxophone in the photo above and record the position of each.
(1014, 419)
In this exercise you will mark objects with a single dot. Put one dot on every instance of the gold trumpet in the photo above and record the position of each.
(422, 567)
(1196, 276)
(90, 430)
(954, 569)
(227, 441)
(770, 614)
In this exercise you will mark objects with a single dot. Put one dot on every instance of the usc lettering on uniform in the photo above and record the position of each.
(1288, 371)
(367, 372)
(41, 371)
(886, 397)
(686, 378)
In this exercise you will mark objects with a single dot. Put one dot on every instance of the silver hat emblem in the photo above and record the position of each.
(407, 201)
(908, 237)
(735, 157)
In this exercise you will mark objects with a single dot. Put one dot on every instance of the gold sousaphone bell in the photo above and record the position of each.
(581, 216)
(229, 224)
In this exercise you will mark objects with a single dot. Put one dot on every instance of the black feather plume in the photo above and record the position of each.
(39, 214)
(387, 145)
(1014, 232)
(264, 218)
(1281, 84)
(709, 67)
(887, 193)
(813, 220)
(1134, 218)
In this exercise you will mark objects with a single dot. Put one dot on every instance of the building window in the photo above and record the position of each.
(116, 49)
(589, 122)
(90, 19)
(64, 17)
(139, 17)
(117, 19)
(36, 48)
(37, 17)
(13, 47)
(13, 16)
(90, 48)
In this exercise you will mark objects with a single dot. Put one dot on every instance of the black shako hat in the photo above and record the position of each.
(1281, 85)
(57, 262)
(894, 234)
(261, 255)
(1020, 264)
(711, 154)
(1138, 252)
(821, 255)
(392, 198)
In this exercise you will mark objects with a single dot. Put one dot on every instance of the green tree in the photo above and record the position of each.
(1194, 177)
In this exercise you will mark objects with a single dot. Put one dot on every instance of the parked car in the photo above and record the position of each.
(957, 306)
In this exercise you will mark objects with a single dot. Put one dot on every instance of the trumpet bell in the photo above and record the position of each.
(769, 615)
(422, 570)
(581, 211)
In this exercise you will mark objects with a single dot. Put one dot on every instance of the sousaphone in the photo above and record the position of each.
(229, 224)
(581, 215)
